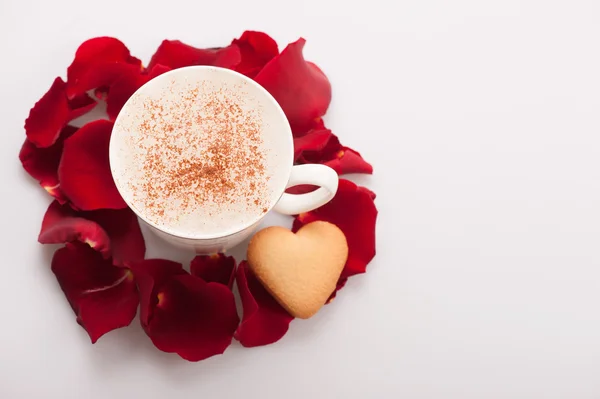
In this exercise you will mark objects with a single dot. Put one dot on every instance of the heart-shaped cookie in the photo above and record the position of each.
(300, 270)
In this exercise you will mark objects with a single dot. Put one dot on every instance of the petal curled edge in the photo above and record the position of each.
(104, 297)
(264, 321)
(217, 268)
(113, 233)
(300, 87)
(84, 170)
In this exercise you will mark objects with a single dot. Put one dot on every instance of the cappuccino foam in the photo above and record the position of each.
(196, 157)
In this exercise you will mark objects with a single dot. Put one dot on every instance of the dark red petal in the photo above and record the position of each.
(102, 75)
(315, 124)
(81, 105)
(300, 87)
(326, 153)
(175, 54)
(354, 212)
(264, 320)
(301, 189)
(347, 160)
(216, 268)
(104, 297)
(151, 275)
(42, 163)
(114, 233)
(369, 192)
(61, 225)
(193, 318)
(123, 229)
(327, 150)
(48, 116)
(98, 62)
(340, 284)
(84, 171)
(314, 141)
(126, 85)
(257, 49)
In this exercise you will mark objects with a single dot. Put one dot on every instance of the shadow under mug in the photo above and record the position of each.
(289, 175)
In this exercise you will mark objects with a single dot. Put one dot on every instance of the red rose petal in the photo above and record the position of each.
(81, 105)
(340, 284)
(300, 87)
(301, 189)
(104, 297)
(318, 147)
(347, 160)
(315, 124)
(175, 54)
(84, 171)
(126, 85)
(98, 62)
(354, 212)
(52, 112)
(123, 229)
(101, 76)
(193, 318)
(216, 268)
(264, 320)
(61, 225)
(369, 192)
(314, 141)
(151, 275)
(257, 49)
(111, 232)
(48, 116)
(42, 163)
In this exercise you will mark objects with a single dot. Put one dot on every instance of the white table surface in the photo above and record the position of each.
(481, 119)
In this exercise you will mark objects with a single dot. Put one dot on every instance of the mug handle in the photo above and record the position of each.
(313, 174)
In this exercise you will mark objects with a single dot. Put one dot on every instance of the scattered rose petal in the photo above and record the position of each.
(61, 225)
(264, 321)
(300, 87)
(369, 192)
(301, 189)
(354, 212)
(98, 62)
(175, 54)
(42, 163)
(315, 124)
(216, 268)
(84, 171)
(126, 85)
(150, 275)
(104, 297)
(113, 233)
(182, 313)
(347, 160)
(52, 112)
(319, 147)
(193, 318)
(48, 116)
(256, 49)
(340, 284)
(123, 229)
(315, 141)
(81, 105)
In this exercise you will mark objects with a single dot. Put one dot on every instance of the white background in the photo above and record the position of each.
(481, 119)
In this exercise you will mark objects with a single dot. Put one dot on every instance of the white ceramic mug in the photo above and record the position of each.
(290, 175)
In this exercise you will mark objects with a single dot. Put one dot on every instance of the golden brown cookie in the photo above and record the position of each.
(300, 270)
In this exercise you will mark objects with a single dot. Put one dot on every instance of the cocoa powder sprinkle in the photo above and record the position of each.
(203, 150)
